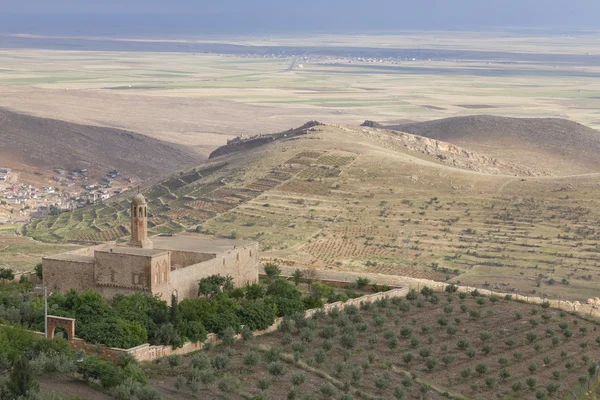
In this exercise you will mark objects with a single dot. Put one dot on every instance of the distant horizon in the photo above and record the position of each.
(299, 21)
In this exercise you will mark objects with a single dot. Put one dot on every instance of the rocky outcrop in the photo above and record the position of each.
(448, 153)
(244, 143)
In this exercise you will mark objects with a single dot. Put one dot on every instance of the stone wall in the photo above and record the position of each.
(241, 263)
(107, 353)
(64, 275)
(181, 259)
(118, 269)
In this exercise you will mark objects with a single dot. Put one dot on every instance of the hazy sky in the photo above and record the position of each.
(373, 14)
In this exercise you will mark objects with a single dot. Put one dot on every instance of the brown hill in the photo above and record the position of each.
(548, 145)
(370, 200)
(35, 144)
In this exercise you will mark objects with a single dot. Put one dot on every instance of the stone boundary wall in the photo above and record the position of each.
(590, 308)
(148, 352)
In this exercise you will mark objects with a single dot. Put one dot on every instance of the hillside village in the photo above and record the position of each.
(21, 202)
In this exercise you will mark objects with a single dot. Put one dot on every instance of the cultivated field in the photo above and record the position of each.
(480, 348)
(22, 254)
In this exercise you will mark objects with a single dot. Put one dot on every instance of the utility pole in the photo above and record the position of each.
(45, 312)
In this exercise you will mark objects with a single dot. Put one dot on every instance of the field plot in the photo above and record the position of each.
(478, 347)
(22, 254)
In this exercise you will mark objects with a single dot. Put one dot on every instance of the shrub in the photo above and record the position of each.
(448, 359)
(463, 344)
(531, 382)
(481, 369)
(298, 378)
(263, 384)
(220, 362)
(174, 360)
(228, 336)
(251, 358)
(486, 336)
(466, 373)
(552, 388)
(348, 340)
(414, 342)
(452, 288)
(532, 367)
(471, 352)
(399, 393)
(276, 368)
(362, 282)
(96, 368)
(412, 295)
(406, 331)
(328, 389)
(545, 304)
(228, 384)
(407, 358)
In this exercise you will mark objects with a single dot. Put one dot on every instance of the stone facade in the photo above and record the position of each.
(162, 265)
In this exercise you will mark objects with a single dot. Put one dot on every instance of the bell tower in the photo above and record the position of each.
(139, 223)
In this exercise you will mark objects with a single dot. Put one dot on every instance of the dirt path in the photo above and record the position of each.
(69, 387)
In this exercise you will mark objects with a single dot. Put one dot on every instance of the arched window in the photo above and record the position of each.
(134, 212)
(145, 212)
(141, 212)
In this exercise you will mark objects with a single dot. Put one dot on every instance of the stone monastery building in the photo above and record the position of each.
(162, 265)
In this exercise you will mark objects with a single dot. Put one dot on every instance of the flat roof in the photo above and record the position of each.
(196, 244)
(71, 257)
(134, 251)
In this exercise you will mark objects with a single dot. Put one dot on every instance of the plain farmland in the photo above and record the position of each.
(343, 79)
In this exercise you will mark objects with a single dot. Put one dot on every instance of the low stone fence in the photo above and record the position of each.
(591, 308)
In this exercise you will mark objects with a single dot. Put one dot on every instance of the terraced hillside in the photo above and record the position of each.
(365, 199)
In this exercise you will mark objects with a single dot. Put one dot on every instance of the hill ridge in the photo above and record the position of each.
(37, 143)
(552, 146)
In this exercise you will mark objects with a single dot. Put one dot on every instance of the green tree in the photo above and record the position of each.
(272, 270)
(39, 270)
(21, 382)
(254, 291)
(175, 313)
(7, 274)
(258, 315)
(212, 285)
(297, 276)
